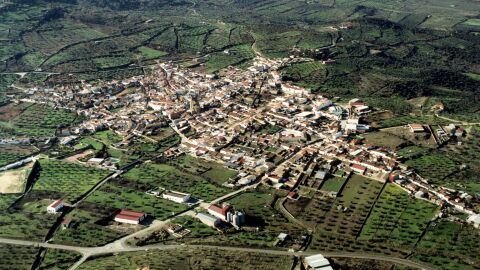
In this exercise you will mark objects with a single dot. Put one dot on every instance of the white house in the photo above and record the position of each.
(177, 197)
(55, 207)
(130, 217)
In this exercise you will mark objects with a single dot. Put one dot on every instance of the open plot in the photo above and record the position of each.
(435, 167)
(17, 257)
(397, 217)
(13, 181)
(190, 259)
(384, 139)
(125, 198)
(12, 153)
(449, 245)
(212, 171)
(27, 219)
(351, 207)
(311, 211)
(90, 227)
(333, 184)
(70, 180)
(56, 259)
(172, 178)
(41, 120)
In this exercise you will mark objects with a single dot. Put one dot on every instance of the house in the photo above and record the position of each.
(130, 217)
(292, 195)
(474, 220)
(67, 223)
(55, 207)
(208, 219)
(219, 212)
(416, 128)
(177, 197)
(358, 168)
(317, 262)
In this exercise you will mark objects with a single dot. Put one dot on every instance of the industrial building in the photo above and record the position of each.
(317, 262)
(177, 197)
(130, 217)
(208, 219)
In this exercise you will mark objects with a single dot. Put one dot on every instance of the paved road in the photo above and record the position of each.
(117, 249)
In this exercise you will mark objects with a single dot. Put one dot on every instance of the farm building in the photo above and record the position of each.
(130, 217)
(55, 207)
(317, 262)
(219, 212)
(208, 219)
(416, 128)
(177, 197)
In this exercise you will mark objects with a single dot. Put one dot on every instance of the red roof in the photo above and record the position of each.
(292, 194)
(218, 209)
(56, 203)
(358, 167)
(129, 215)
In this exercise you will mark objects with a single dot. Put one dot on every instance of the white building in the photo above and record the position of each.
(55, 207)
(318, 262)
(177, 197)
(474, 220)
(208, 219)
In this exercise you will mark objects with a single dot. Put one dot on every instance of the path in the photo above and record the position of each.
(113, 249)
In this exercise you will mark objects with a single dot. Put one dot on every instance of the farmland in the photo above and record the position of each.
(69, 180)
(190, 259)
(12, 153)
(398, 218)
(58, 259)
(125, 198)
(22, 256)
(172, 178)
(91, 227)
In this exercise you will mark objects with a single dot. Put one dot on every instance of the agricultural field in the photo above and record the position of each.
(56, 259)
(384, 139)
(12, 153)
(434, 167)
(120, 197)
(449, 245)
(350, 208)
(14, 181)
(17, 257)
(311, 211)
(69, 180)
(27, 218)
(190, 259)
(405, 120)
(41, 120)
(333, 184)
(173, 178)
(91, 227)
(398, 218)
(6, 200)
(212, 171)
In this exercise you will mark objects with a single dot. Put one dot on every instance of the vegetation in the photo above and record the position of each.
(69, 180)
(59, 259)
(17, 257)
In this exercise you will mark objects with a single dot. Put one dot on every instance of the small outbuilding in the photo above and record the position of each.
(55, 207)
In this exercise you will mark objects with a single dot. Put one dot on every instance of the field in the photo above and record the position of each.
(40, 120)
(435, 166)
(449, 245)
(120, 197)
(398, 218)
(333, 184)
(212, 171)
(27, 219)
(58, 259)
(12, 153)
(69, 180)
(405, 120)
(17, 257)
(13, 181)
(190, 259)
(384, 139)
(350, 209)
(173, 178)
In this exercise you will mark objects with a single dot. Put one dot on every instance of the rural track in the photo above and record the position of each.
(108, 249)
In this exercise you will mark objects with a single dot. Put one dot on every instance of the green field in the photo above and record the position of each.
(87, 231)
(12, 153)
(56, 259)
(333, 184)
(173, 178)
(125, 198)
(190, 259)
(17, 257)
(69, 180)
(398, 218)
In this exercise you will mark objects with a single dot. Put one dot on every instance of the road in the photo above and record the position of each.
(118, 249)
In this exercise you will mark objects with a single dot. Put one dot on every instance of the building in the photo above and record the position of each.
(416, 128)
(219, 212)
(317, 262)
(474, 220)
(67, 223)
(55, 207)
(237, 218)
(130, 217)
(358, 168)
(177, 197)
(208, 219)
